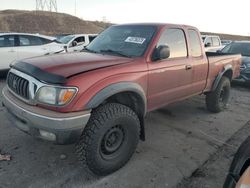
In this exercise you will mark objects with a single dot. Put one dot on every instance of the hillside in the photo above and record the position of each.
(49, 23)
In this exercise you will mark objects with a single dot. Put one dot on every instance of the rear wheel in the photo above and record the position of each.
(217, 100)
(109, 139)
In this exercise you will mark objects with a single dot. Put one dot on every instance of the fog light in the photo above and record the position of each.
(47, 135)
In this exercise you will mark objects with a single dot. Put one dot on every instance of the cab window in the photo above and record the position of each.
(80, 40)
(208, 42)
(175, 40)
(216, 41)
(194, 41)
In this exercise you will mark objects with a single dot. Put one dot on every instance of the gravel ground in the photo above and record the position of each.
(180, 139)
(213, 172)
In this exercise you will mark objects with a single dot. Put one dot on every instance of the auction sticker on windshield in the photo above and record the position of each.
(137, 40)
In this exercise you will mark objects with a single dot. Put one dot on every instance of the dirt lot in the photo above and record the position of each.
(184, 142)
(211, 173)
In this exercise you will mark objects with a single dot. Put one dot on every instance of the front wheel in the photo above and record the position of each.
(109, 139)
(217, 100)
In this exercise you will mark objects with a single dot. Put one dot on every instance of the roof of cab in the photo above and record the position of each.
(157, 25)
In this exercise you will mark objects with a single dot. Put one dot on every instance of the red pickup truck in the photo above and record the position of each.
(98, 98)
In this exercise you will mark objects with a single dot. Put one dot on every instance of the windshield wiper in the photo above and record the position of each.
(115, 52)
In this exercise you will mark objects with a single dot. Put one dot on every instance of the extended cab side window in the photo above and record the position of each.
(176, 41)
(195, 44)
(216, 41)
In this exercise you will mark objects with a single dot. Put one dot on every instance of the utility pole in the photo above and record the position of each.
(46, 5)
(75, 7)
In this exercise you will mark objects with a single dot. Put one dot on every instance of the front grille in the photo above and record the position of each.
(18, 85)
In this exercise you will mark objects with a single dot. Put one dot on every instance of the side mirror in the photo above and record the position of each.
(218, 51)
(74, 43)
(161, 52)
(208, 44)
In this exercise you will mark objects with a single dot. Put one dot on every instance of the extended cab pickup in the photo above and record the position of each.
(99, 97)
(75, 43)
(212, 43)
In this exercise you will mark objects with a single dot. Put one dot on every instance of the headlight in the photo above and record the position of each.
(55, 95)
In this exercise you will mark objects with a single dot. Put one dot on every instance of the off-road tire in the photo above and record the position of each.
(217, 100)
(95, 149)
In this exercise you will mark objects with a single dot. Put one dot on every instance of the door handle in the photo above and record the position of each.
(11, 50)
(188, 67)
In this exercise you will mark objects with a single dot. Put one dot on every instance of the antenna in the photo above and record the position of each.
(49, 5)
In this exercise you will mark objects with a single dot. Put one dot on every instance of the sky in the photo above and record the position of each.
(223, 16)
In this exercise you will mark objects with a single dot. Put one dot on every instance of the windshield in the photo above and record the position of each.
(237, 48)
(66, 39)
(127, 40)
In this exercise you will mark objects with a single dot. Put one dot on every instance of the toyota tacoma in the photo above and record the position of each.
(98, 98)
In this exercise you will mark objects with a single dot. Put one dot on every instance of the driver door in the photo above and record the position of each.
(170, 79)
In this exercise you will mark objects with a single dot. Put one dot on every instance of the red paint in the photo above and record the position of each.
(163, 82)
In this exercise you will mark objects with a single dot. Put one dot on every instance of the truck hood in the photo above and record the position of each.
(69, 64)
(56, 68)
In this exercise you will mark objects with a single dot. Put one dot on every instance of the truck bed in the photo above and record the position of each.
(216, 63)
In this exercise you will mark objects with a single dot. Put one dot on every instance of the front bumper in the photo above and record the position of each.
(61, 128)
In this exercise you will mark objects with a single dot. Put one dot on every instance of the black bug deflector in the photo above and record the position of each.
(39, 73)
